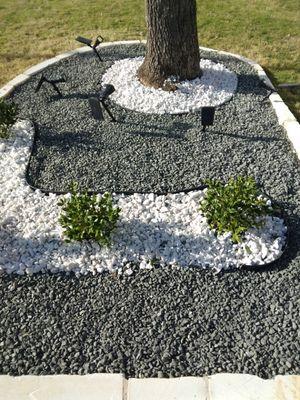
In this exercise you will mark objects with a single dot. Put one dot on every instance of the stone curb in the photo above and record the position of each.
(284, 115)
(116, 387)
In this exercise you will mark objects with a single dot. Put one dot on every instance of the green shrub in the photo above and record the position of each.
(86, 217)
(8, 116)
(234, 207)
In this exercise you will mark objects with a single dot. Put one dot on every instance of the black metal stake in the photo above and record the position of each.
(88, 42)
(108, 111)
(56, 88)
(97, 54)
(98, 40)
(52, 82)
(97, 113)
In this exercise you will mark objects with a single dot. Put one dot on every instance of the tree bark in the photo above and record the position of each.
(172, 42)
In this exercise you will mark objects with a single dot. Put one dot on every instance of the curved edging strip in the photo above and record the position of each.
(284, 115)
(256, 268)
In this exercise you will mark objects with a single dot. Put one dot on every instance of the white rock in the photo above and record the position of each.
(173, 231)
(216, 86)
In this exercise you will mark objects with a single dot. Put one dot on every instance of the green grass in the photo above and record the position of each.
(267, 31)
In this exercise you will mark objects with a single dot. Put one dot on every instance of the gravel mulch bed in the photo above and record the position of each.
(165, 229)
(150, 153)
(160, 322)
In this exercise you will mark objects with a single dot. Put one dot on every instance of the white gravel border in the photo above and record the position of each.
(216, 86)
(32, 239)
(166, 228)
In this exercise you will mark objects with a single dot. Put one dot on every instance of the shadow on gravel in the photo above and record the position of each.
(71, 96)
(155, 134)
(253, 137)
(159, 133)
(251, 84)
(68, 138)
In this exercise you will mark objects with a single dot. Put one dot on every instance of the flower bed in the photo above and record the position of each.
(165, 230)
(162, 322)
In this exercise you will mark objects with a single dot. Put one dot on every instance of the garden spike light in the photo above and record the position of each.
(207, 116)
(96, 108)
(105, 91)
(89, 42)
(290, 86)
(52, 82)
(266, 84)
(96, 103)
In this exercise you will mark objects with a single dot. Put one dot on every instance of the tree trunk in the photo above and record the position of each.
(172, 42)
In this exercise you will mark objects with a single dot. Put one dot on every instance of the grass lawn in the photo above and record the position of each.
(266, 31)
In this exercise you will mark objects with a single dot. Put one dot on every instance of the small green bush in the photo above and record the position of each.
(86, 217)
(234, 207)
(8, 116)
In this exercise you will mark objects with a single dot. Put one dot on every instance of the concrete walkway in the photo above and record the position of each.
(116, 387)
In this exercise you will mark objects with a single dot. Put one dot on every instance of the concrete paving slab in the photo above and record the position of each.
(240, 387)
(185, 388)
(287, 387)
(62, 387)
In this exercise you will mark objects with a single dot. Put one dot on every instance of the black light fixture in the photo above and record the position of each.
(96, 103)
(105, 91)
(290, 86)
(266, 84)
(96, 108)
(52, 82)
(89, 42)
(207, 116)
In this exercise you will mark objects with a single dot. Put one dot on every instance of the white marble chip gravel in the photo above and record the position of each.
(168, 228)
(216, 86)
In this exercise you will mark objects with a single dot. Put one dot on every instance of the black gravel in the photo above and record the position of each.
(164, 322)
(146, 153)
